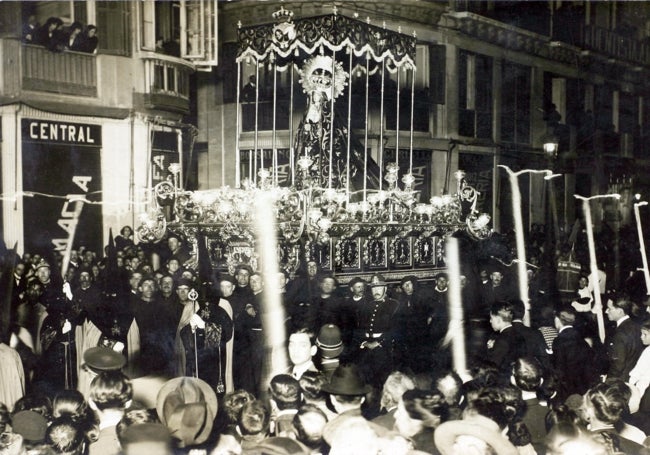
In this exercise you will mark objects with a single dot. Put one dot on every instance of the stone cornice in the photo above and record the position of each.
(517, 39)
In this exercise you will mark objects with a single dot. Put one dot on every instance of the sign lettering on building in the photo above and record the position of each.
(61, 166)
(60, 132)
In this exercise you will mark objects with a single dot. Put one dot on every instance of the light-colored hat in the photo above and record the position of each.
(187, 407)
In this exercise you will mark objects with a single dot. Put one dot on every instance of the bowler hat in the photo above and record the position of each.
(329, 341)
(104, 359)
(346, 380)
(187, 407)
(377, 280)
(356, 280)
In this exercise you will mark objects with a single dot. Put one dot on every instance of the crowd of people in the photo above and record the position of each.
(57, 38)
(133, 352)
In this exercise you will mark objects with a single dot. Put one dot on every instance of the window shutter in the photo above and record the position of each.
(199, 31)
(438, 73)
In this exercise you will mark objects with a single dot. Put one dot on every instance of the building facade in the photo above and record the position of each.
(86, 134)
(495, 81)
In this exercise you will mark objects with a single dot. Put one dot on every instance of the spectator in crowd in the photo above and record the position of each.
(396, 384)
(418, 414)
(311, 387)
(572, 357)
(308, 424)
(527, 375)
(506, 345)
(604, 408)
(253, 424)
(110, 395)
(285, 400)
(624, 346)
(301, 351)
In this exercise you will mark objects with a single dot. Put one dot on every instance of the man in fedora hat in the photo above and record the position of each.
(347, 390)
(374, 333)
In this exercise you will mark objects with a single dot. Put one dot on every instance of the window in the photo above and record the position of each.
(113, 24)
(515, 103)
(185, 28)
(475, 95)
(421, 98)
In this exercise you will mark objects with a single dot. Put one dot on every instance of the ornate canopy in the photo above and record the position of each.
(285, 39)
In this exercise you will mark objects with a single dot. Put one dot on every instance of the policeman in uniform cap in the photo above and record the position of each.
(374, 333)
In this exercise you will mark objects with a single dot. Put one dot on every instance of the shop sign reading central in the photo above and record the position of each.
(61, 166)
(68, 133)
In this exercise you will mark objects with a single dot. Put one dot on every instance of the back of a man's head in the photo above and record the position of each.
(111, 390)
(311, 386)
(503, 310)
(65, 436)
(527, 373)
(254, 419)
(285, 391)
(309, 423)
(394, 387)
(518, 309)
(566, 316)
(234, 401)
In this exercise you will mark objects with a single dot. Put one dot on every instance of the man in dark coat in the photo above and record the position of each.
(623, 347)
(572, 357)
(156, 328)
(507, 345)
(374, 333)
(535, 346)
(204, 339)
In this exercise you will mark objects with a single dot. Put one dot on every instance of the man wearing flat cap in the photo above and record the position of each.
(374, 333)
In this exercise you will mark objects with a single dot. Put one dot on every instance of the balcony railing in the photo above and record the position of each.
(615, 45)
(71, 73)
(167, 82)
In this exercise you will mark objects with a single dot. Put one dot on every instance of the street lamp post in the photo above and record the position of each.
(644, 257)
(519, 233)
(593, 265)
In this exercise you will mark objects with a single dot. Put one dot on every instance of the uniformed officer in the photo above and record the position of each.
(374, 333)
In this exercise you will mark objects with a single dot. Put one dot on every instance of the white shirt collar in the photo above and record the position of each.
(622, 320)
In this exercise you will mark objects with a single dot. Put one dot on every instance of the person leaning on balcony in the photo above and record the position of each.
(89, 41)
(29, 29)
(49, 34)
(74, 38)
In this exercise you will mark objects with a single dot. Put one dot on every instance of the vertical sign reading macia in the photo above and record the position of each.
(61, 165)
